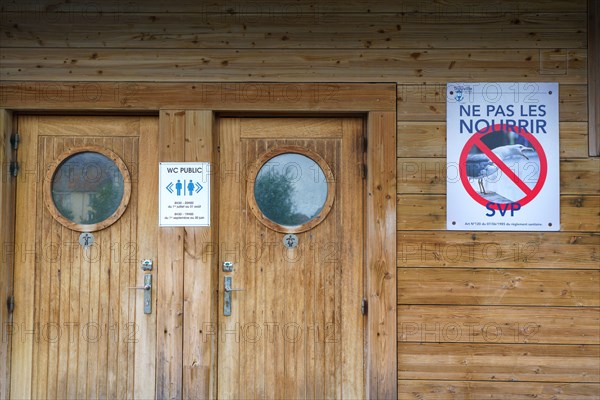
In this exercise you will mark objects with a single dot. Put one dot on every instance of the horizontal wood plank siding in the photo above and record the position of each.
(548, 250)
(246, 96)
(499, 324)
(278, 8)
(471, 286)
(495, 362)
(567, 66)
(299, 31)
(472, 389)
(427, 102)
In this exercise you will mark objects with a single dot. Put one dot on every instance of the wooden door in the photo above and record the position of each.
(297, 329)
(80, 331)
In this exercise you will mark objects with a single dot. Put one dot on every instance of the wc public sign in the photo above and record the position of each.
(184, 194)
(503, 157)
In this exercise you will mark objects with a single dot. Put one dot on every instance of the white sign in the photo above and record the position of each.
(503, 157)
(184, 194)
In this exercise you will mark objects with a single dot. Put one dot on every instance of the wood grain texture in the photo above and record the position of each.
(24, 289)
(49, 8)
(499, 362)
(560, 250)
(499, 324)
(298, 323)
(594, 77)
(231, 215)
(283, 128)
(482, 287)
(353, 377)
(7, 231)
(427, 176)
(427, 101)
(90, 126)
(566, 66)
(199, 262)
(458, 390)
(415, 212)
(77, 306)
(170, 273)
(278, 97)
(381, 271)
(428, 139)
(297, 30)
(147, 231)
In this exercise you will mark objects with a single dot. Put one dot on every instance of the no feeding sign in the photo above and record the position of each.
(503, 157)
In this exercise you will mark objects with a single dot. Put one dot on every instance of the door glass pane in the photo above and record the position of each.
(290, 189)
(87, 188)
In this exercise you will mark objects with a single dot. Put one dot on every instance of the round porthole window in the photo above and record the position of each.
(292, 189)
(87, 189)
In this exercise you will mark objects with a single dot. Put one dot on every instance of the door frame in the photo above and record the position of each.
(189, 109)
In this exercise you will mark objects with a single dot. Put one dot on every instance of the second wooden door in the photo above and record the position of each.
(291, 258)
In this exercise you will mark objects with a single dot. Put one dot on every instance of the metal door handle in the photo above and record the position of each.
(227, 286)
(235, 290)
(147, 288)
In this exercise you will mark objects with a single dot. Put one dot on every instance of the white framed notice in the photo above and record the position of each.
(503, 156)
(184, 194)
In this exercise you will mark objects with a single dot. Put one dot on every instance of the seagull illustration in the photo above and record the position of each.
(479, 166)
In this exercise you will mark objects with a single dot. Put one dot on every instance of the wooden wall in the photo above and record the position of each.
(479, 314)
(7, 231)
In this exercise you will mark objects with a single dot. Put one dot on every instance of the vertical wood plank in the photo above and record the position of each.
(381, 256)
(230, 178)
(255, 256)
(351, 247)
(170, 272)
(594, 77)
(61, 272)
(56, 298)
(22, 344)
(132, 267)
(7, 241)
(147, 235)
(199, 263)
(40, 348)
(49, 294)
(246, 301)
(124, 298)
(74, 306)
(331, 289)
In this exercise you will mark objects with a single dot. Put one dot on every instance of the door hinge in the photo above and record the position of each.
(13, 168)
(364, 306)
(10, 304)
(15, 138)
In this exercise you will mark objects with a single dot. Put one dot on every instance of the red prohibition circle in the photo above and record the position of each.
(495, 128)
